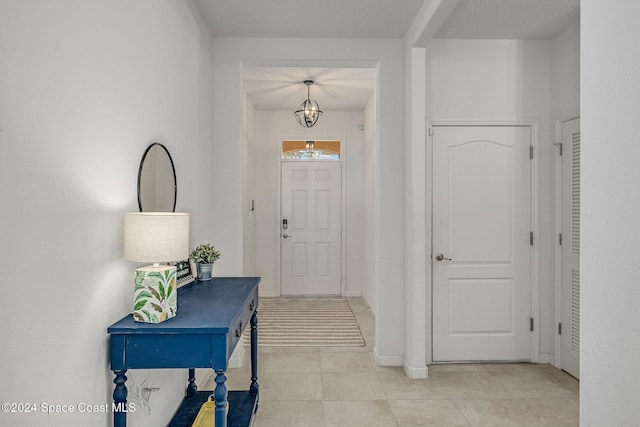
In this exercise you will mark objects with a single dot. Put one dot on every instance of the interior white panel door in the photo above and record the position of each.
(481, 248)
(311, 242)
(570, 287)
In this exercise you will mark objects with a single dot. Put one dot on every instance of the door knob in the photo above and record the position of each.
(440, 257)
(286, 236)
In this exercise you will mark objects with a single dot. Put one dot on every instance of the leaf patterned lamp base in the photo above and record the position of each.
(155, 297)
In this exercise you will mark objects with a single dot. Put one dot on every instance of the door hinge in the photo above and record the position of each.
(531, 238)
(531, 151)
(560, 239)
(431, 132)
(531, 323)
(559, 328)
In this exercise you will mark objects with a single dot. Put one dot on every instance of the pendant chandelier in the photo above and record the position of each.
(308, 112)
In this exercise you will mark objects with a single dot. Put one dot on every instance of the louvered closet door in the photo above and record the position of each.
(570, 329)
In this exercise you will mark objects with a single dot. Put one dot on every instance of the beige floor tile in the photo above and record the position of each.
(529, 381)
(436, 412)
(346, 362)
(496, 412)
(352, 386)
(290, 414)
(552, 412)
(373, 413)
(397, 385)
(293, 362)
(290, 386)
(351, 349)
(342, 386)
(473, 384)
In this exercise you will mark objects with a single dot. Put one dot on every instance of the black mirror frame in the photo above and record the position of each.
(173, 168)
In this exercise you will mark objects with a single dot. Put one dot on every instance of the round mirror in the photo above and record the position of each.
(156, 180)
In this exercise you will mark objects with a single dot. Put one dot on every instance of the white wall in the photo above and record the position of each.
(230, 55)
(271, 128)
(503, 80)
(370, 280)
(86, 86)
(565, 72)
(565, 102)
(610, 230)
(416, 201)
(249, 188)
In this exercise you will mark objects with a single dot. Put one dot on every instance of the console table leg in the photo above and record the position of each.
(220, 396)
(192, 388)
(254, 388)
(120, 399)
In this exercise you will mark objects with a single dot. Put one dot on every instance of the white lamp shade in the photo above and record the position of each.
(156, 236)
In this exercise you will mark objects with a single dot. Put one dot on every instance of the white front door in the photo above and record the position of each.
(481, 243)
(570, 250)
(311, 242)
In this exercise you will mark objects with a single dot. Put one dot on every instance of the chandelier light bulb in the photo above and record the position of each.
(308, 112)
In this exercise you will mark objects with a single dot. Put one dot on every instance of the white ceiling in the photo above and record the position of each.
(335, 89)
(509, 19)
(341, 89)
(310, 18)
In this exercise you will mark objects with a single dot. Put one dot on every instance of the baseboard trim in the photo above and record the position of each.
(386, 360)
(415, 372)
(203, 375)
(547, 358)
(236, 357)
(354, 294)
(269, 294)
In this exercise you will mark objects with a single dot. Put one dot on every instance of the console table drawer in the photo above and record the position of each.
(244, 318)
(170, 351)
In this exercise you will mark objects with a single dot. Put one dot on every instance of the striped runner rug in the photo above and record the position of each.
(292, 322)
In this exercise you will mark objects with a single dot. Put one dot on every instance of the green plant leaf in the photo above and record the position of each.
(156, 307)
(140, 304)
(172, 299)
(204, 254)
(162, 292)
(139, 281)
(143, 294)
(155, 294)
(146, 312)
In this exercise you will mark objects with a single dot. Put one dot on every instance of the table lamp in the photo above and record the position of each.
(156, 237)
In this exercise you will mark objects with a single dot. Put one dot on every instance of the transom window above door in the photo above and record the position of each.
(310, 150)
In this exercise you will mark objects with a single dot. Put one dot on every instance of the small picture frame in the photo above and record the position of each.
(184, 274)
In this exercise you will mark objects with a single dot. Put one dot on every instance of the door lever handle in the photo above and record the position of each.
(440, 257)
(286, 236)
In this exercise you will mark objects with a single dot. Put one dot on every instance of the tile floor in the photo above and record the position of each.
(342, 387)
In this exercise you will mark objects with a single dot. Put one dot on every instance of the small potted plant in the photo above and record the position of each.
(204, 256)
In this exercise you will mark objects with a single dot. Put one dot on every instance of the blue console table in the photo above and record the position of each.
(210, 321)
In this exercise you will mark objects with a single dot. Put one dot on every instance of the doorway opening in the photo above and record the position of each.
(345, 135)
